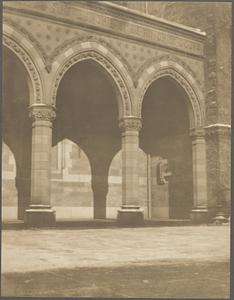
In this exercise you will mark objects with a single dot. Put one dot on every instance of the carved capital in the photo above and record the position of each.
(197, 133)
(130, 123)
(42, 113)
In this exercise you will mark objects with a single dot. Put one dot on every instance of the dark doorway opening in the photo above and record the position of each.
(165, 134)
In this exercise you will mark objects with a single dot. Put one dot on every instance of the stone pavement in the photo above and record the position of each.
(48, 249)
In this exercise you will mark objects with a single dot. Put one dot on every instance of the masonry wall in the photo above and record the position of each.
(215, 19)
(72, 186)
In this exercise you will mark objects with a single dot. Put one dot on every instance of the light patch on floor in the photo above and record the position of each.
(34, 250)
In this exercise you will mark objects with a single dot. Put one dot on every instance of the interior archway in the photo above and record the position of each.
(16, 137)
(87, 116)
(165, 135)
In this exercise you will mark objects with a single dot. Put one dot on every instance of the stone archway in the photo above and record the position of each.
(37, 158)
(101, 55)
(195, 106)
(25, 51)
(87, 115)
(174, 70)
(165, 136)
(16, 136)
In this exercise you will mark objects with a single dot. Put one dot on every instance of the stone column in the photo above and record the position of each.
(218, 141)
(130, 212)
(199, 211)
(40, 212)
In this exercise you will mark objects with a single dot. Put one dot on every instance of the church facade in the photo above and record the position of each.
(110, 112)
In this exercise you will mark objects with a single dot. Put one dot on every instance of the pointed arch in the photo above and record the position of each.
(176, 71)
(102, 56)
(25, 51)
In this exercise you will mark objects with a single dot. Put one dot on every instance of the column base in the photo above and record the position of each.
(130, 215)
(199, 215)
(39, 216)
(99, 213)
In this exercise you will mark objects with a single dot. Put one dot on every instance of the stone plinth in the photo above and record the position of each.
(39, 216)
(199, 215)
(130, 215)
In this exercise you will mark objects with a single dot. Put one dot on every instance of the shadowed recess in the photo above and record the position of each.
(87, 114)
(165, 133)
(16, 133)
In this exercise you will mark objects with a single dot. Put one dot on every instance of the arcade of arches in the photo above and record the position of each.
(84, 138)
(86, 160)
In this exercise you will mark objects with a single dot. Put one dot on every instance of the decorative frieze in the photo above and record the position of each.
(147, 29)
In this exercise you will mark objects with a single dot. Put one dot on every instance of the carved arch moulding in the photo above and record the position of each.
(23, 49)
(102, 56)
(28, 35)
(177, 72)
(78, 39)
(172, 60)
(48, 59)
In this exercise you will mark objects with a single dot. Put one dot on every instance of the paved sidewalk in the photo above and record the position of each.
(38, 250)
(160, 262)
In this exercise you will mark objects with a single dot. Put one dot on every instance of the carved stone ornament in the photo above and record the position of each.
(197, 133)
(27, 35)
(130, 124)
(168, 58)
(126, 103)
(42, 113)
(198, 115)
(28, 63)
(69, 43)
(163, 172)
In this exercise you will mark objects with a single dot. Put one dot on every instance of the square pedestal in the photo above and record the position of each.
(130, 216)
(199, 216)
(40, 217)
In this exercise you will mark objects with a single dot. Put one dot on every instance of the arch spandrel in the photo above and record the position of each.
(102, 56)
(177, 72)
(26, 53)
